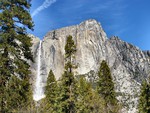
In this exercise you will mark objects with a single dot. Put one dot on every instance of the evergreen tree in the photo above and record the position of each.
(89, 100)
(144, 99)
(68, 82)
(18, 91)
(51, 92)
(14, 45)
(105, 88)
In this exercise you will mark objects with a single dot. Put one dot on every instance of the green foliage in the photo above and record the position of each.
(51, 86)
(89, 100)
(14, 52)
(18, 94)
(105, 88)
(68, 82)
(15, 44)
(144, 99)
(65, 96)
(52, 93)
(70, 47)
(67, 92)
(71, 96)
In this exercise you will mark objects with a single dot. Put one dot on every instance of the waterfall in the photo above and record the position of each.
(38, 93)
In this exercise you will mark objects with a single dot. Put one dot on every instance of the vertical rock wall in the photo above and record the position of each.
(129, 65)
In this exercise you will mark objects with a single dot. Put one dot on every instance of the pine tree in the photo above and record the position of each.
(89, 100)
(51, 92)
(18, 91)
(14, 44)
(68, 82)
(144, 99)
(105, 88)
(51, 87)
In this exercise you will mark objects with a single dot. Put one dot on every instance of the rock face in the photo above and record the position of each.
(33, 68)
(90, 40)
(129, 65)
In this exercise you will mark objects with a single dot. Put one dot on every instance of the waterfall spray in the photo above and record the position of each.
(38, 90)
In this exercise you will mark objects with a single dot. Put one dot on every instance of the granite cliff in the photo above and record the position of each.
(129, 65)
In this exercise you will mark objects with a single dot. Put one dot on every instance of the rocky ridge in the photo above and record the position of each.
(129, 65)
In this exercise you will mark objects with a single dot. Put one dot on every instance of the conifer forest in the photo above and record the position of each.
(71, 93)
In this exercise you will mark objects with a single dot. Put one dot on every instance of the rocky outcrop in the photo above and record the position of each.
(129, 65)
(89, 38)
(147, 54)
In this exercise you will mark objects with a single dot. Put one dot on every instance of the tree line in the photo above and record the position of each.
(67, 95)
(76, 95)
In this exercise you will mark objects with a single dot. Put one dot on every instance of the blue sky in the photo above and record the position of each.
(128, 19)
